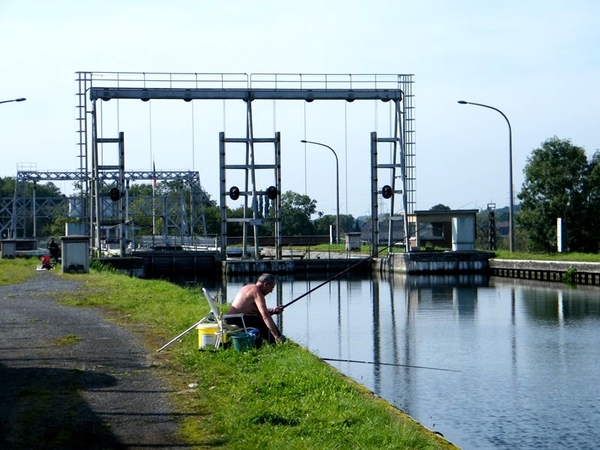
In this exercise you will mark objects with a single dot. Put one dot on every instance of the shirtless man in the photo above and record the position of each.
(250, 301)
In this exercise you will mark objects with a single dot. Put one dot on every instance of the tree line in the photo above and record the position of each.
(297, 211)
(560, 182)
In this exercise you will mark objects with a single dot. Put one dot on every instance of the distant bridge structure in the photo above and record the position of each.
(19, 215)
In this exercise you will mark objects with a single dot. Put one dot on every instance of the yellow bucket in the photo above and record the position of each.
(206, 334)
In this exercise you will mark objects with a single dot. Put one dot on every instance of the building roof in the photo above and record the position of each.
(440, 216)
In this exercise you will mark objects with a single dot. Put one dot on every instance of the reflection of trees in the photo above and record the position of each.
(553, 305)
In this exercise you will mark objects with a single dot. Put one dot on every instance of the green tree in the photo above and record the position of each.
(296, 212)
(591, 228)
(347, 223)
(556, 185)
(49, 189)
(139, 195)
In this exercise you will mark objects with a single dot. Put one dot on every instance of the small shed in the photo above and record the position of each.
(75, 251)
(353, 241)
(8, 248)
(454, 228)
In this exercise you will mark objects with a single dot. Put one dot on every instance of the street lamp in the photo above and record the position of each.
(337, 185)
(511, 234)
(15, 100)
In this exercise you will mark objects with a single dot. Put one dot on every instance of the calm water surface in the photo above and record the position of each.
(528, 354)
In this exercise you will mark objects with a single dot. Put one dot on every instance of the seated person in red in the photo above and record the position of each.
(46, 262)
(250, 301)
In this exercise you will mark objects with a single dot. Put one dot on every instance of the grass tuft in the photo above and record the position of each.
(69, 339)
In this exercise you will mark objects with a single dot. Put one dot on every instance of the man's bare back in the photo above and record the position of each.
(246, 299)
(250, 301)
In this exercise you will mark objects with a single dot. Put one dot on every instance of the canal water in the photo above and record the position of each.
(490, 363)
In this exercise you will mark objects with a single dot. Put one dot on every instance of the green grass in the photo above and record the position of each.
(500, 254)
(276, 397)
(67, 340)
(17, 270)
(285, 397)
(577, 257)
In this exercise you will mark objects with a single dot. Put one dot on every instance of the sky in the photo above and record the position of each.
(536, 61)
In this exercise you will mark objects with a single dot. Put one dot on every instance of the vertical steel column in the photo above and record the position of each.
(222, 197)
(374, 197)
(405, 83)
(251, 155)
(127, 218)
(95, 192)
(394, 164)
(34, 211)
(403, 174)
(278, 237)
(13, 217)
(121, 187)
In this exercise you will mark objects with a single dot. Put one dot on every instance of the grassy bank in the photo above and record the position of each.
(500, 254)
(577, 257)
(276, 397)
(13, 271)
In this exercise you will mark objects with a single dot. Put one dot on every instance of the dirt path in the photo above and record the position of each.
(71, 380)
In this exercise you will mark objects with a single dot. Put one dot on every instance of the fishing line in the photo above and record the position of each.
(389, 364)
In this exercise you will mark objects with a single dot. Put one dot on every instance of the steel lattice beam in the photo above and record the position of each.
(145, 94)
(137, 175)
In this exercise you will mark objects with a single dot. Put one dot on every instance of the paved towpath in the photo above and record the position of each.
(69, 376)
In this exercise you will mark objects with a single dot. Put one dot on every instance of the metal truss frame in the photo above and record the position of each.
(147, 86)
(18, 212)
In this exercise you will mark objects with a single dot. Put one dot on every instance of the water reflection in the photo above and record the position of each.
(557, 306)
(527, 351)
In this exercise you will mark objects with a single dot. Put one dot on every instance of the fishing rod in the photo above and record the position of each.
(389, 364)
(329, 280)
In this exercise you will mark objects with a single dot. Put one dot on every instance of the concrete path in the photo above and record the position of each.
(72, 380)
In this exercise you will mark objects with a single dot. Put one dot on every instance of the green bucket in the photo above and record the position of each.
(243, 342)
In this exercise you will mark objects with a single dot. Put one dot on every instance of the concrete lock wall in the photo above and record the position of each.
(75, 252)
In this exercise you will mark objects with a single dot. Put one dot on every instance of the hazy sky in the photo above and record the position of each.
(537, 61)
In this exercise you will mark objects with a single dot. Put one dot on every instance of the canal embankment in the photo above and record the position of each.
(575, 271)
(156, 264)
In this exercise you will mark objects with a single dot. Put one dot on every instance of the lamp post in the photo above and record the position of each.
(15, 100)
(337, 186)
(511, 234)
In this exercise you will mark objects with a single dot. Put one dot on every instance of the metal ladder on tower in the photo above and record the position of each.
(108, 180)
